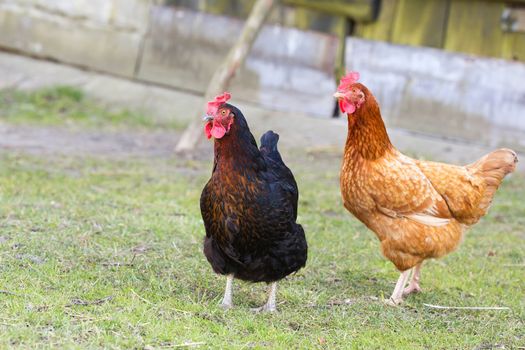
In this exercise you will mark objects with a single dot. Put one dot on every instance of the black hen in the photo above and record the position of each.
(249, 207)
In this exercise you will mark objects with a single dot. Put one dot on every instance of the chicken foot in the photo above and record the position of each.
(413, 286)
(397, 295)
(270, 305)
(226, 302)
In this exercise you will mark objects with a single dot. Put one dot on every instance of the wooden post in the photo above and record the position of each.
(223, 75)
(340, 64)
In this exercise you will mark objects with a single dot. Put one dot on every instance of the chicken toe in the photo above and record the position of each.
(413, 286)
(397, 296)
(392, 302)
(270, 305)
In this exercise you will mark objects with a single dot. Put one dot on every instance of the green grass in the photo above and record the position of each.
(106, 253)
(65, 105)
(66, 224)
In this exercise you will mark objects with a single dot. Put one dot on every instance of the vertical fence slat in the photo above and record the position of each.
(381, 29)
(474, 27)
(420, 23)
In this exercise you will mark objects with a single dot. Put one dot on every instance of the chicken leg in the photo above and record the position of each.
(270, 305)
(397, 295)
(414, 287)
(226, 302)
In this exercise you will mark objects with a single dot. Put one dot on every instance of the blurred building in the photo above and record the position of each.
(490, 28)
(442, 67)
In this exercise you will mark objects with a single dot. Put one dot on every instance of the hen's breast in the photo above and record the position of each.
(355, 191)
(238, 201)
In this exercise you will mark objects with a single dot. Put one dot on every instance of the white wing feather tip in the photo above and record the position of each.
(428, 220)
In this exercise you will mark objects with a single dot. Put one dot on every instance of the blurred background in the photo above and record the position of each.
(448, 73)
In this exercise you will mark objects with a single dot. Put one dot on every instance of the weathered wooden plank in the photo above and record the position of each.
(306, 19)
(358, 10)
(342, 32)
(217, 7)
(514, 46)
(244, 7)
(474, 27)
(420, 23)
(238, 8)
(500, 1)
(381, 29)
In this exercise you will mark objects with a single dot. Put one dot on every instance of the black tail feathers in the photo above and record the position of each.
(269, 141)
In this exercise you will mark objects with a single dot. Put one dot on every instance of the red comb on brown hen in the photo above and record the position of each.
(350, 103)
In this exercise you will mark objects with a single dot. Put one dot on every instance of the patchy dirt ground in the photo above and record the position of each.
(63, 140)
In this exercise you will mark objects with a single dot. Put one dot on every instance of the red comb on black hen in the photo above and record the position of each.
(249, 207)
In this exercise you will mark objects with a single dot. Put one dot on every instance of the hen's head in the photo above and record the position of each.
(350, 93)
(219, 117)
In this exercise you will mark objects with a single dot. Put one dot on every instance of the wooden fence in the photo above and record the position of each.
(469, 26)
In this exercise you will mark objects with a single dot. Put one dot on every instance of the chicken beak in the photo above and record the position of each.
(339, 95)
(207, 118)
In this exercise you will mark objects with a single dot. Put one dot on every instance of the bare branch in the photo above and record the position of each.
(226, 71)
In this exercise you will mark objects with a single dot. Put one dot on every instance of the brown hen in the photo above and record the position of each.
(418, 209)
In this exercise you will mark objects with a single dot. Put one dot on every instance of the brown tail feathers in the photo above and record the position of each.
(493, 167)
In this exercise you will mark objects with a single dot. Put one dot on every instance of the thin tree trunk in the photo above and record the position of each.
(223, 75)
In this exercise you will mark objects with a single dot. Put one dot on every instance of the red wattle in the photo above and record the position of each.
(346, 107)
(218, 130)
(207, 129)
(341, 106)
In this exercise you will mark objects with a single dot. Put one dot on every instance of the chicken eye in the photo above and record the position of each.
(223, 112)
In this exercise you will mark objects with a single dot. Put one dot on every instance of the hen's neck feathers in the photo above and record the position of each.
(236, 152)
(367, 134)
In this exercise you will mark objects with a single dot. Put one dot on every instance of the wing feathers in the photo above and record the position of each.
(427, 217)
(428, 220)
(409, 193)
